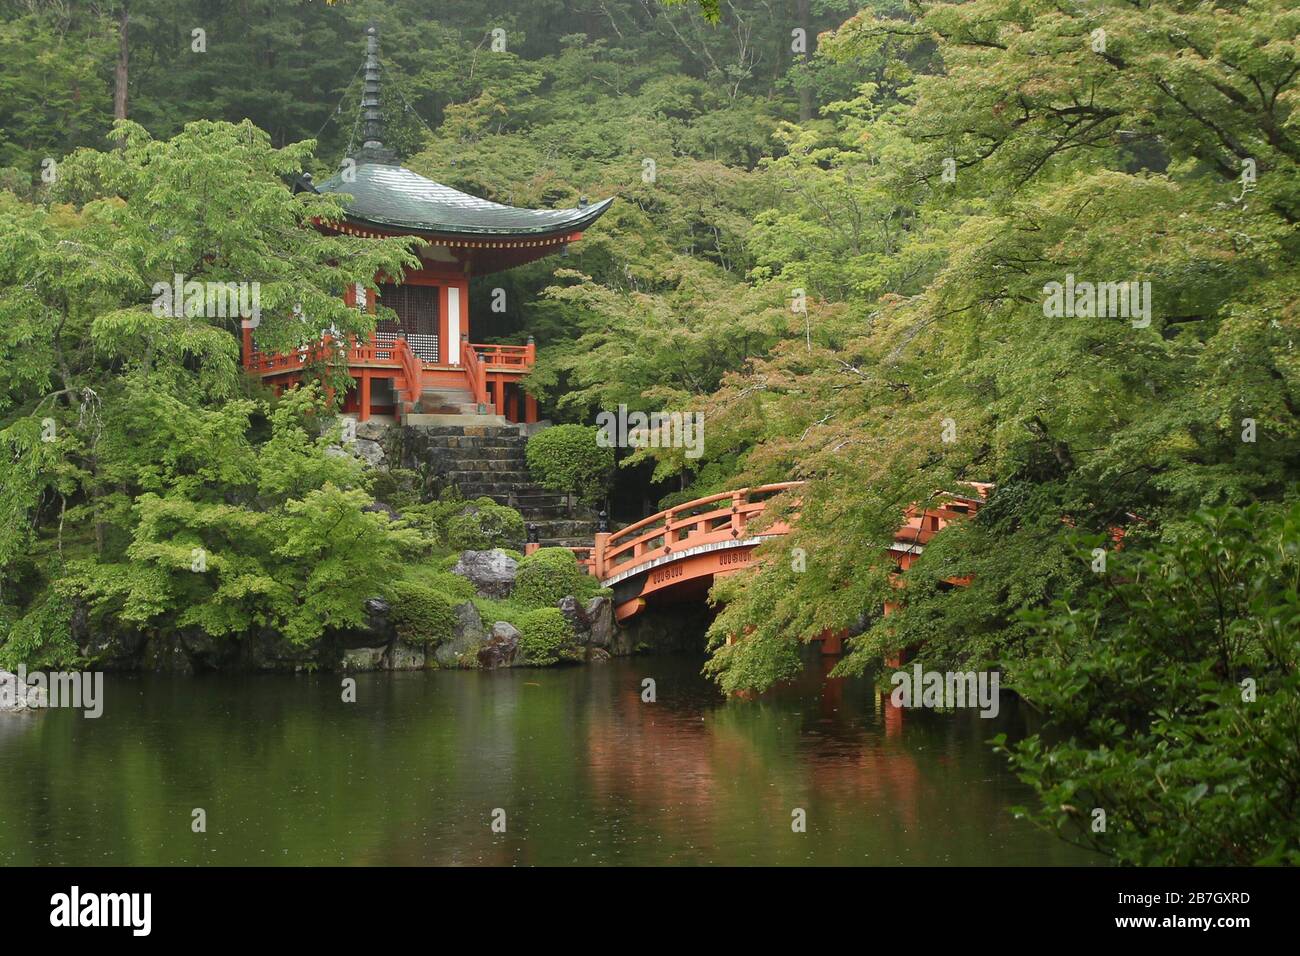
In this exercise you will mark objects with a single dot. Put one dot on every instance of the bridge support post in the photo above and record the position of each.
(598, 553)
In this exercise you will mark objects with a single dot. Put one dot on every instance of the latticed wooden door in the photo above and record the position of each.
(417, 311)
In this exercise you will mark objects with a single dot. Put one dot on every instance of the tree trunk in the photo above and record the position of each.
(123, 62)
(802, 10)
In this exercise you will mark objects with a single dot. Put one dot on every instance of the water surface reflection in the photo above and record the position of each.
(586, 772)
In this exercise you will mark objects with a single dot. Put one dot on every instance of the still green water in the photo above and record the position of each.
(585, 771)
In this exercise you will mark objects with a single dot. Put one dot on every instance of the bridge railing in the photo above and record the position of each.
(715, 518)
(726, 517)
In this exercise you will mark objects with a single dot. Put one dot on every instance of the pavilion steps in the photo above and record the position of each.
(564, 543)
(446, 401)
(452, 420)
(487, 477)
(482, 460)
(476, 431)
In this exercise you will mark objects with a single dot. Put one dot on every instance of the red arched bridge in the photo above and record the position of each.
(676, 555)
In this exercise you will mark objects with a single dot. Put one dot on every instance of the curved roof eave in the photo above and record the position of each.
(584, 218)
(394, 197)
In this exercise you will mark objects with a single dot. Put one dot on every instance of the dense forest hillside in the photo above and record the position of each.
(889, 247)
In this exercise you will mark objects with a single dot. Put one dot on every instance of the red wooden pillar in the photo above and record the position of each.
(365, 394)
(499, 393)
(530, 403)
(247, 335)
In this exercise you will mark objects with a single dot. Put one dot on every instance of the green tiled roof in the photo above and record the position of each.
(393, 196)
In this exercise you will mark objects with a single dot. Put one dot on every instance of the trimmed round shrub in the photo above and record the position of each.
(547, 575)
(543, 635)
(485, 525)
(421, 614)
(566, 458)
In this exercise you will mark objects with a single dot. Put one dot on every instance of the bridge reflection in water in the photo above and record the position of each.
(878, 786)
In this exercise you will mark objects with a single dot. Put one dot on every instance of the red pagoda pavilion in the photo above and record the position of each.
(424, 362)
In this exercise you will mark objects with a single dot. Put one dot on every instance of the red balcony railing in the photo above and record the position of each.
(513, 357)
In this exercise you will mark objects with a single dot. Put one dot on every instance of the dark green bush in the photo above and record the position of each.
(433, 518)
(420, 613)
(547, 575)
(485, 524)
(566, 458)
(399, 488)
(543, 636)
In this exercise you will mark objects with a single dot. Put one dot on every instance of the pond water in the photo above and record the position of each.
(584, 771)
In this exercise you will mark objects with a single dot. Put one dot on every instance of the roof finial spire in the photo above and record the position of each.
(372, 129)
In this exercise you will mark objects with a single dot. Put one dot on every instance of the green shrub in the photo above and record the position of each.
(399, 488)
(432, 518)
(566, 458)
(547, 575)
(485, 525)
(500, 609)
(421, 614)
(543, 636)
(436, 574)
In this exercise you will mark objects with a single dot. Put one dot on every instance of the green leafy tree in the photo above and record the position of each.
(123, 421)
(1172, 700)
(926, 357)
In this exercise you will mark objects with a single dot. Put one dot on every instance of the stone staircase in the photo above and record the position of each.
(488, 460)
(446, 401)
